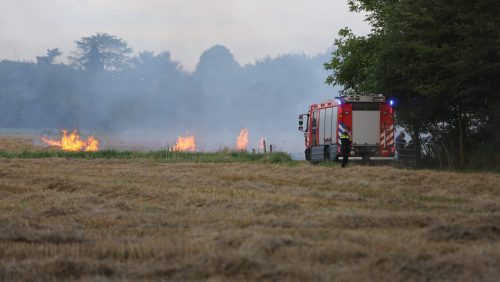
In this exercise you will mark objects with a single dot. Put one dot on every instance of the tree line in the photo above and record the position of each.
(105, 85)
(440, 61)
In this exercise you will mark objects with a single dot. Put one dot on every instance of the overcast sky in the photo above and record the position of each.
(249, 28)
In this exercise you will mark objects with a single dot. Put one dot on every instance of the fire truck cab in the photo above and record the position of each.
(370, 118)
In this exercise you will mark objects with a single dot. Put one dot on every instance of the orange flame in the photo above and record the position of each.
(92, 144)
(73, 142)
(242, 140)
(187, 143)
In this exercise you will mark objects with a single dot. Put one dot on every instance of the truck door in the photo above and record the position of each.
(365, 123)
(314, 128)
(327, 125)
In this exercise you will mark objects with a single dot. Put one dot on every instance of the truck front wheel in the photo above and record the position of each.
(308, 154)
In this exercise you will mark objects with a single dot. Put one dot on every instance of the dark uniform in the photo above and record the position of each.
(400, 140)
(345, 147)
(400, 143)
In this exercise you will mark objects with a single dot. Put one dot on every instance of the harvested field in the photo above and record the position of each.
(18, 142)
(139, 219)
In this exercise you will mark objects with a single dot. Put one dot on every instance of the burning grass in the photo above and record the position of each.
(73, 142)
(21, 146)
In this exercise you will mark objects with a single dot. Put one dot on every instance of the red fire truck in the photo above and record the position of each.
(370, 117)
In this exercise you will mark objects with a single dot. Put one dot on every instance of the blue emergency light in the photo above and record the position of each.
(391, 102)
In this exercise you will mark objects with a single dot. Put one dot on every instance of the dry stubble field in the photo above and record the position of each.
(76, 219)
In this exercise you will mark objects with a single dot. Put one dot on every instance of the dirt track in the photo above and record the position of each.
(131, 220)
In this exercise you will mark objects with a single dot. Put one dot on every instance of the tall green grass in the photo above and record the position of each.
(160, 156)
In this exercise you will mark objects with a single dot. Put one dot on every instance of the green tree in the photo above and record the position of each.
(102, 52)
(48, 59)
(353, 63)
(440, 59)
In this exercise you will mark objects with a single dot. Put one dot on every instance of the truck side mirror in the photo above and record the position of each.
(301, 122)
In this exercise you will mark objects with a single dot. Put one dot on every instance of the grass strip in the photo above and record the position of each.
(160, 155)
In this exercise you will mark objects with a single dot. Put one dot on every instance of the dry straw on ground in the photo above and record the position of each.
(67, 219)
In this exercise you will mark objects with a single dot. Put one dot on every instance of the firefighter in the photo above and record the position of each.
(345, 145)
(400, 141)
